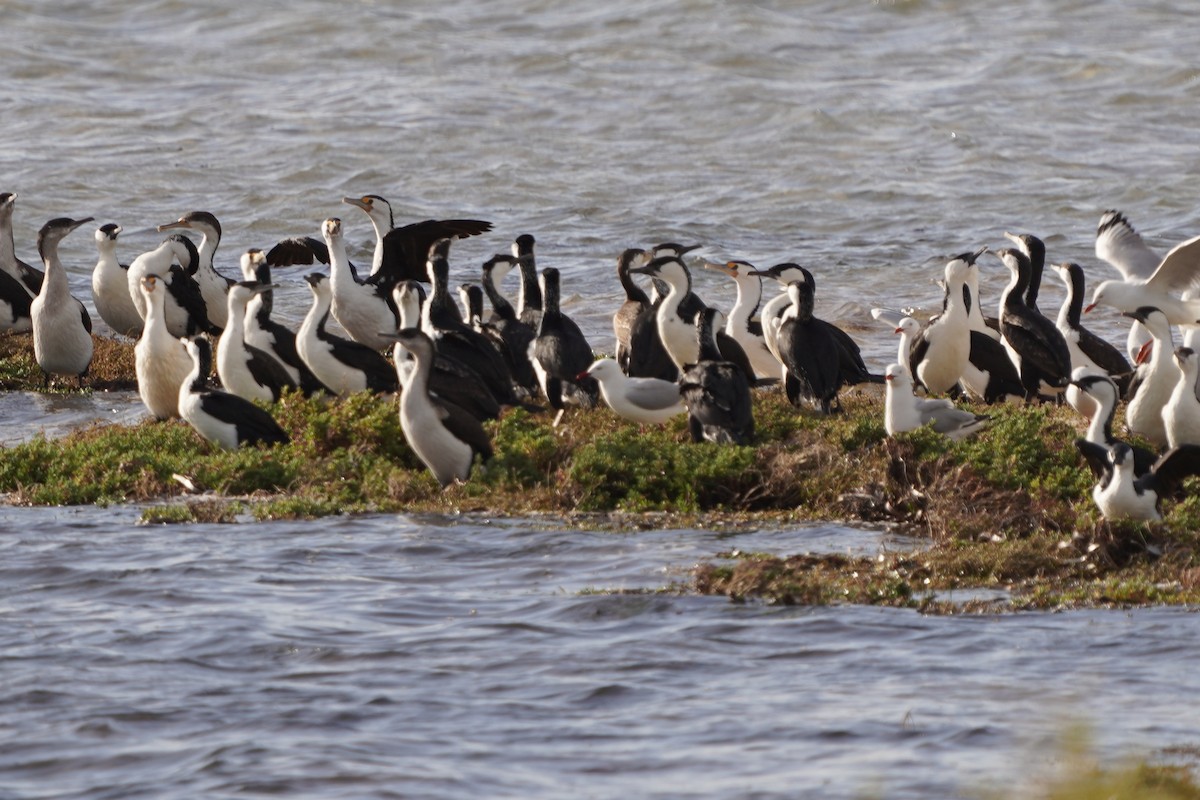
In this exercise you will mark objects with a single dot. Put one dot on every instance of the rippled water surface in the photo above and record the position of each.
(413, 657)
(399, 657)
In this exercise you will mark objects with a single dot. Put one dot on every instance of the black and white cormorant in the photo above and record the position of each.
(743, 324)
(942, 350)
(110, 285)
(809, 353)
(445, 437)
(1087, 349)
(647, 356)
(677, 334)
(517, 335)
(853, 369)
(1103, 397)
(560, 352)
(224, 419)
(472, 299)
(442, 322)
(529, 295)
(186, 313)
(990, 374)
(29, 275)
(400, 253)
(1035, 250)
(244, 369)
(213, 285)
(344, 365)
(62, 329)
(439, 310)
(1120, 493)
(449, 378)
(364, 310)
(14, 305)
(636, 303)
(1033, 342)
(160, 360)
(690, 304)
(269, 335)
(716, 392)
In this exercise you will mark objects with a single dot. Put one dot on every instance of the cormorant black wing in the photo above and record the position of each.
(406, 249)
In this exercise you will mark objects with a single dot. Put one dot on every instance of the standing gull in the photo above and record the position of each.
(904, 411)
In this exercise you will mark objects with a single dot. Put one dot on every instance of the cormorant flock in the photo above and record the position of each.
(455, 367)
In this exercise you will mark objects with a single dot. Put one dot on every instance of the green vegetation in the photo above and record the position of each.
(1008, 511)
(1080, 776)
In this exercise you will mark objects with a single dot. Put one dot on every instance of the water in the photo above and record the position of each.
(398, 657)
(385, 656)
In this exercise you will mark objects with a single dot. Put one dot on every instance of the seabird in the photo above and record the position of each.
(439, 310)
(1102, 397)
(1143, 414)
(1123, 248)
(690, 304)
(273, 338)
(400, 253)
(636, 303)
(1121, 494)
(941, 351)
(29, 276)
(345, 366)
(244, 369)
(636, 325)
(449, 379)
(161, 362)
(989, 327)
(1036, 346)
(14, 305)
(853, 370)
(517, 335)
(529, 298)
(560, 352)
(364, 310)
(1087, 349)
(648, 401)
(110, 285)
(213, 285)
(445, 437)
(1034, 250)
(1181, 414)
(224, 419)
(808, 353)
(62, 329)
(904, 411)
(716, 392)
(742, 325)
(677, 333)
(184, 309)
(443, 323)
(1120, 245)
(990, 374)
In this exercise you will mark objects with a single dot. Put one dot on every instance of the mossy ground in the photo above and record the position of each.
(1007, 510)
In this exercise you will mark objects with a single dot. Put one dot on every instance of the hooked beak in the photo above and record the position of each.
(715, 267)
